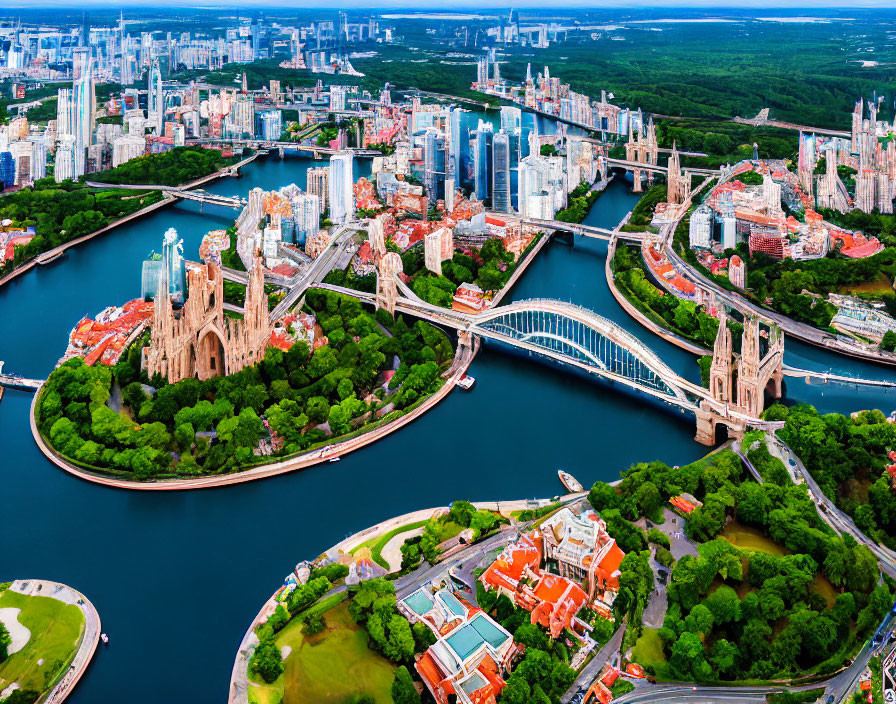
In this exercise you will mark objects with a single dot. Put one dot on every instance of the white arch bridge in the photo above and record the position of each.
(577, 337)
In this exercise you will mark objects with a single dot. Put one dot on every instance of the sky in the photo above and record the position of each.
(807, 5)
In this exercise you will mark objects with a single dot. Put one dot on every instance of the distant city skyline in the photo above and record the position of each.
(473, 5)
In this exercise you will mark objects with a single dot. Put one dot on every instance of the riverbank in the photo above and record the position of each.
(89, 639)
(462, 359)
(53, 254)
(239, 679)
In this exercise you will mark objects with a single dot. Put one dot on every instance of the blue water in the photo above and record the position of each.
(178, 576)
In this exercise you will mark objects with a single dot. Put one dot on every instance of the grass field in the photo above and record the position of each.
(56, 630)
(377, 544)
(329, 667)
(751, 539)
(648, 653)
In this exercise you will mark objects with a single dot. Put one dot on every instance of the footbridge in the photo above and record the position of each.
(642, 166)
(14, 381)
(273, 144)
(579, 338)
(197, 195)
(600, 233)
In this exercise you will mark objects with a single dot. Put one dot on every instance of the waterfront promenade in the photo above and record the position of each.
(90, 637)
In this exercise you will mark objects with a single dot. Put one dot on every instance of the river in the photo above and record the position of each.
(178, 576)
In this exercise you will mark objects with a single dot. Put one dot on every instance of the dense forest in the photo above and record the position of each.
(802, 600)
(172, 168)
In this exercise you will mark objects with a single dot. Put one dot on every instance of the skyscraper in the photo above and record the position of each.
(482, 160)
(155, 100)
(342, 201)
(317, 184)
(434, 165)
(501, 164)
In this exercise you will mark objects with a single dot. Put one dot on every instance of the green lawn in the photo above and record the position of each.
(751, 539)
(56, 630)
(648, 653)
(377, 544)
(329, 667)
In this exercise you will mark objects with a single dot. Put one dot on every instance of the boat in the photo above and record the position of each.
(104, 638)
(334, 459)
(466, 382)
(570, 482)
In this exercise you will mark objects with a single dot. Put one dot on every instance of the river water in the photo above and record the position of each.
(178, 576)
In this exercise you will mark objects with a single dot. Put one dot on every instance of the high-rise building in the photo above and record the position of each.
(127, 147)
(342, 201)
(337, 98)
(482, 160)
(64, 167)
(7, 170)
(155, 98)
(317, 184)
(700, 230)
(502, 160)
(438, 246)
(729, 232)
(269, 124)
(541, 190)
(306, 216)
(434, 164)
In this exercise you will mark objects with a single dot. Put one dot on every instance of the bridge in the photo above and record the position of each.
(14, 381)
(643, 166)
(197, 195)
(269, 144)
(600, 233)
(575, 337)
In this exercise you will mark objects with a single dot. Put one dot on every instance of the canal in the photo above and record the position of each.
(177, 576)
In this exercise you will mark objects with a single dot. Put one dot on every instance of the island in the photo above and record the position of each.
(48, 635)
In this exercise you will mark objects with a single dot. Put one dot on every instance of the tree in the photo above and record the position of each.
(317, 409)
(266, 661)
(400, 646)
(339, 420)
(403, 690)
(5, 641)
(888, 343)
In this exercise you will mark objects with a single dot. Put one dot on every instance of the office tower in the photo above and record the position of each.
(511, 118)
(771, 196)
(541, 190)
(317, 184)
(700, 230)
(337, 98)
(84, 96)
(729, 232)
(65, 112)
(342, 201)
(482, 160)
(7, 170)
(501, 164)
(64, 168)
(482, 72)
(38, 157)
(306, 215)
(127, 147)
(269, 124)
(155, 99)
(434, 165)
(579, 162)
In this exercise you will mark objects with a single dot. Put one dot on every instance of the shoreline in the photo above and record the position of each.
(239, 681)
(53, 254)
(87, 646)
(462, 361)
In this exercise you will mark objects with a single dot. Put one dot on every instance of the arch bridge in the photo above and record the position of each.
(580, 338)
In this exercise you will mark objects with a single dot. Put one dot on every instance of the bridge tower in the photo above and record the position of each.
(754, 371)
(390, 267)
(636, 174)
(720, 371)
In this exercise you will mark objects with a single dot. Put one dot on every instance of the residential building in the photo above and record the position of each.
(342, 205)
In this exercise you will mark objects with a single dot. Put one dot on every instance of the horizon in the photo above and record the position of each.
(477, 8)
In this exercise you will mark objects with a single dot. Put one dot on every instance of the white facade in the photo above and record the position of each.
(127, 147)
(342, 199)
(700, 231)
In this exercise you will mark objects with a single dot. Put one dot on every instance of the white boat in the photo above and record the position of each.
(104, 638)
(466, 382)
(334, 459)
(570, 482)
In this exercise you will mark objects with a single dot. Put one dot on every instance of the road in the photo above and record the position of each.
(317, 269)
(590, 672)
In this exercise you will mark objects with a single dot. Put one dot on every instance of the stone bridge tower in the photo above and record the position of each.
(390, 267)
(755, 372)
